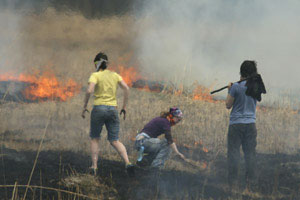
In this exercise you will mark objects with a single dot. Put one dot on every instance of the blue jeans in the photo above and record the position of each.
(158, 150)
(108, 116)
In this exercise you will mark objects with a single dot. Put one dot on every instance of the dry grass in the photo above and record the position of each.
(277, 128)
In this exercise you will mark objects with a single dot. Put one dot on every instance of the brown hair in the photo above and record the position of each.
(165, 114)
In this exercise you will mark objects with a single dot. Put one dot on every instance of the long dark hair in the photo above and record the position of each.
(255, 85)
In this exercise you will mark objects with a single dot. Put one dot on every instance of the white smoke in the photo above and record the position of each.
(207, 40)
(183, 41)
(9, 39)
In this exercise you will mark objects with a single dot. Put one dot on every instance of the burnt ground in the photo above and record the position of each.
(278, 178)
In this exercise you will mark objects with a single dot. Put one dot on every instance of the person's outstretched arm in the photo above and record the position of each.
(88, 93)
(174, 147)
(125, 88)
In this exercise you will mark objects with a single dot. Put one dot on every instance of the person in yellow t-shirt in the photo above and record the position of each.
(103, 84)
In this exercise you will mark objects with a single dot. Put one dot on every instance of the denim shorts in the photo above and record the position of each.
(107, 115)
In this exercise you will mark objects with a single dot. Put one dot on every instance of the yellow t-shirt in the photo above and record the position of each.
(106, 87)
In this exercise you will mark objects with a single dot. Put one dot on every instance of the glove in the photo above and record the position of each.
(124, 112)
(83, 112)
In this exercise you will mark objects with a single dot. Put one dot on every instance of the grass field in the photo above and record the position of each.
(65, 150)
(57, 133)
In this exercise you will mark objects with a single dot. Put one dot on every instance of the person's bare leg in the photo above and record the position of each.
(94, 152)
(121, 150)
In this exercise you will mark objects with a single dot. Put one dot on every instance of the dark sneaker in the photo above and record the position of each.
(130, 170)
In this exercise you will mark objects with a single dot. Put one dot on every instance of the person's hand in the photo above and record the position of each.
(83, 112)
(124, 113)
(181, 156)
(229, 85)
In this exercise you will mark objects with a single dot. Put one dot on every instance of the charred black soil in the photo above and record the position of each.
(278, 178)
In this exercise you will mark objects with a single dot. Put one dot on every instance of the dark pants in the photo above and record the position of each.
(245, 135)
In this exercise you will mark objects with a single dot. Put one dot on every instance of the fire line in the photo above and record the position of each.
(37, 87)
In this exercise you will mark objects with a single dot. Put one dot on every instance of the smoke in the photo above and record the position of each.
(64, 41)
(178, 41)
(8, 38)
(207, 40)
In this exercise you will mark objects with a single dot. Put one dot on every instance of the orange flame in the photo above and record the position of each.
(202, 93)
(132, 74)
(204, 165)
(198, 143)
(179, 91)
(205, 149)
(129, 74)
(44, 86)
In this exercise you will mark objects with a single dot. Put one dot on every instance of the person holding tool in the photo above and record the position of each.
(242, 98)
(158, 150)
(103, 84)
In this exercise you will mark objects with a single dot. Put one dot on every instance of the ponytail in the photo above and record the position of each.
(101, 61)
(164, 114)
(255, 85)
